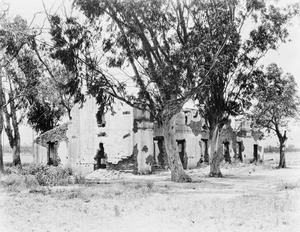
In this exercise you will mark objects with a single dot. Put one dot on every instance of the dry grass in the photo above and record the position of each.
(286, 185)
(255, 199)
(149, 207)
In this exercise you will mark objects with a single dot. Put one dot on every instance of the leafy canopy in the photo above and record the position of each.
(277, 99)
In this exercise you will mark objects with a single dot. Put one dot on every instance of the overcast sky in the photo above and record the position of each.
(287, 56)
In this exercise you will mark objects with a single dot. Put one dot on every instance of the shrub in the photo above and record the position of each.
(49, 175)
(150, 185)
(287, 185)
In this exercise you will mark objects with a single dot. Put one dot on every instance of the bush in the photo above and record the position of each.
(33, 175)
(287, 185)
(49, 175)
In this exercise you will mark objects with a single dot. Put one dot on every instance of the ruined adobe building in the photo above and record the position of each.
(132, 141)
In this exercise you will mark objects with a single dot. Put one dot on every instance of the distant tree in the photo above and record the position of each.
(13, 37)
(2, 63)
(277, 103)
(1, 125)
(24, 92)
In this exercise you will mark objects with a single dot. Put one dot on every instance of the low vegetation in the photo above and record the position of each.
(33, 175)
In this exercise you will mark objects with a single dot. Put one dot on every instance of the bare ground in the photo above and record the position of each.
(248, 198)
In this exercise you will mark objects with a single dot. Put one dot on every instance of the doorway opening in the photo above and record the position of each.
(160, 154)
(52, 153)
(226, 152)
(255, 152)
(240, 148)
(182, 154)
(100, 158)
(206, 155)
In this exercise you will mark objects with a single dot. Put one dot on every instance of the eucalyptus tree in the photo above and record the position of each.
(172, 51)
(23, 84)
(180, 50)
(230, 85)
(14, 35)
(162, 46)
(277, 102)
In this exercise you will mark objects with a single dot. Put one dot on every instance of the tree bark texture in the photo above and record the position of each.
(282, 163)
(282, 141)
(216, 154)
(177, 172)
(12, 131)
(1, 127)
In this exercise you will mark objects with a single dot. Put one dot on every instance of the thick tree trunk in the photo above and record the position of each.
(1, 128)
(12, 132)
(177, 172)
(1, 151)
(282, 141)
(216, 154)
(282, 163)
(16, 151)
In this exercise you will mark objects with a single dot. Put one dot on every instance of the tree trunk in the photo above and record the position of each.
(16, 150)
(282, 142)
(282, 163)
(12, 131)
(177, 172)
(1, 127)
(216, 153)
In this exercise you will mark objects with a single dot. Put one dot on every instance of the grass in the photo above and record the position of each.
(145, 207)
(32, 176)
(285, 185)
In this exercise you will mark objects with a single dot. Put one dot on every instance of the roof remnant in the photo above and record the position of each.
(56, 134)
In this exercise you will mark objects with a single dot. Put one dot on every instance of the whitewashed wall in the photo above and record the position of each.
(118, 141)
(40, 154)
(62, 153)
(82, 136)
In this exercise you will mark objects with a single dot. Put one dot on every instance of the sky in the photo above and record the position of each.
(287, 56)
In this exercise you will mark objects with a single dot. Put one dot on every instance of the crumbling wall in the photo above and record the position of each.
(143, 138)
(40, 154)
(62, 153)
(82, 136)
(117, 135)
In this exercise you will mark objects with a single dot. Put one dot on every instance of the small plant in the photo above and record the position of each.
(118, 192)
(284, 185)
(80, 179)
(149, 185)
(75, 193)
(117, 210)
(138, 186)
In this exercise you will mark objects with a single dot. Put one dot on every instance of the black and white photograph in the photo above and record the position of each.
(149, 115)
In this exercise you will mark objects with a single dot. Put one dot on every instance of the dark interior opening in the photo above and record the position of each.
(255, 153)
(100, 158)
(206, 155)
(52, 153)
(240, 157)
(162, 158)
(182, 153)
(226, 152)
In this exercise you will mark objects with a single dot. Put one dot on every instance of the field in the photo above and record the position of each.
(249, 198)
(25, 158)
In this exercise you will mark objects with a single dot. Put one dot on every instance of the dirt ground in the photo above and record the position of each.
(248, 198)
